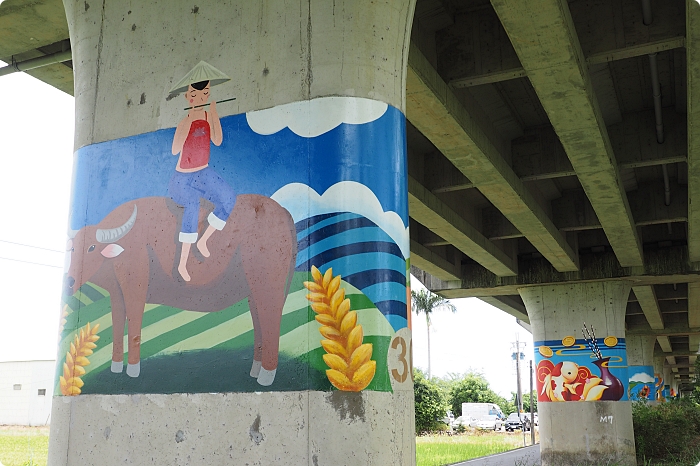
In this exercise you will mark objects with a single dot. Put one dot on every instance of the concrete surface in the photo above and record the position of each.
(527, 456)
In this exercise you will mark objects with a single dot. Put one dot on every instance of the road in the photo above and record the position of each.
(528, 456)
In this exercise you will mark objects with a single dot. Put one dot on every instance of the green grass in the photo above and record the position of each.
(438, 450)
(24, 446)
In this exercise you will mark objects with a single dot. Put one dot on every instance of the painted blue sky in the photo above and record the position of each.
(111, 173)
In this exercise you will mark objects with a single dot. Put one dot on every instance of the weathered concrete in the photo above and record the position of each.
(437, 113)
(692, 21)
(233, 428)
(557, 70)
(581, 432)
(127, 56)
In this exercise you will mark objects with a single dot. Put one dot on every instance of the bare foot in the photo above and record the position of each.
(202, 246)
(183, 272)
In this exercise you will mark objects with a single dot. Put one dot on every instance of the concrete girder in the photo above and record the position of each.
(693, 345)
(694, 304)
(509, 306)
(437, 113)
(647, 300)
(435, 215)
(661, 354)
(434, 264)
(575, 213)
(622, 53)
(668, 331)
(664, 343)
(662, 266)
(545, 40)
(692, 47)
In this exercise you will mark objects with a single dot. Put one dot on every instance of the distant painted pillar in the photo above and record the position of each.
(659, 379)
(581, 357)
(640, 362)
(237, 282)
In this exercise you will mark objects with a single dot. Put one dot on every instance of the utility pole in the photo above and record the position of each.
(519, 402)
(532, 409)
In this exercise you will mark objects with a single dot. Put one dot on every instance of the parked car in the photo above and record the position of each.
(466, 421)
(491, 422)
(517, 421)
(449, 418)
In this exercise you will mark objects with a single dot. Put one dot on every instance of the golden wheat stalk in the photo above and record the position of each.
(64, 313)
(76, 360)
(351, 368)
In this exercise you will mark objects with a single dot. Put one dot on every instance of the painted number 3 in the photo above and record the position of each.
(405, 359)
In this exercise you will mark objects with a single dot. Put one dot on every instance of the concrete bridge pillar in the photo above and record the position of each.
(659, 378)
(640, 362)
(237, 287)
(580, 351)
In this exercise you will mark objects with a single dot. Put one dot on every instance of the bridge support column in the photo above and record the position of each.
(237, 288)
(579, 337)
(640, 362)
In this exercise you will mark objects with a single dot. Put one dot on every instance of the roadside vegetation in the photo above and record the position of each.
(24, 446)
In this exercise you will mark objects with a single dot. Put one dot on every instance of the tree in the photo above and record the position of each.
(474, 388)
(426, 302)
(526, 400)
(430, 404)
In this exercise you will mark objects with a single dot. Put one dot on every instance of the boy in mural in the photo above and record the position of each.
(193, 179)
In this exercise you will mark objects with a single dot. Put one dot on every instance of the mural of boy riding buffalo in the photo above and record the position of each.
(140, 252)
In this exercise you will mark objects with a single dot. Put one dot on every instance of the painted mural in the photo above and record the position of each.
(641, 383)
(585, 369)
(261, 251)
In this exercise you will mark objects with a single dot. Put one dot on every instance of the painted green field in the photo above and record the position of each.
(24, 446)
(439, 450)
(215, 349)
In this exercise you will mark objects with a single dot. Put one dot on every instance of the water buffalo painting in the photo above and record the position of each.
(133, 253)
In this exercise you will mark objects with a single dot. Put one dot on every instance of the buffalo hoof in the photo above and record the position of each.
(265, 378)
(133, 370)
(117, 367)
(255, 369)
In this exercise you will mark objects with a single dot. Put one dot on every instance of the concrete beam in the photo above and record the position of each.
(574, 212)
(544, 37)
(662, 354)
(647, 300)
(692, 48)
(664, 343)
(431, 262)
(509, 306)
(693, 345)
(428, 210)
(437, 113)
(622, 53)
(694, 304)
(669, 331)
(662, 266)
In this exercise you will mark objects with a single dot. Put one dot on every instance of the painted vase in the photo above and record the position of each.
(615, 388)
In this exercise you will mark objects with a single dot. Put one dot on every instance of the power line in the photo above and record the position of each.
(30, 246)
(32, 263)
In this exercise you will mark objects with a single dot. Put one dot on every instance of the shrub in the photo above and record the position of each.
(430, 404)
(666, 430)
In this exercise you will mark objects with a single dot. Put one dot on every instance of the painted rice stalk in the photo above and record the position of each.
(76, 360)
(64, 313)
(349, 360)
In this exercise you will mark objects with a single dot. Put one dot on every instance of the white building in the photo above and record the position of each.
(26, 389)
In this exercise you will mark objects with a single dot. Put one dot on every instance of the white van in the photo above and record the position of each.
(481, 410)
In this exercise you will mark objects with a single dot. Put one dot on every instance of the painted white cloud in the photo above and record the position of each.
(347, 196)
(642, 377)
(311, 118)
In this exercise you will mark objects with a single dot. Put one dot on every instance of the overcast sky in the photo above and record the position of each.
(37, 146)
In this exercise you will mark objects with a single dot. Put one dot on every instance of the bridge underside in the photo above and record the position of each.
(546, 145)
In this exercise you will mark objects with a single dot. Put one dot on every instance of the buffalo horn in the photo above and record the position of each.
(115, 234)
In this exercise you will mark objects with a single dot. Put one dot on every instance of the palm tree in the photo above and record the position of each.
(427, 302)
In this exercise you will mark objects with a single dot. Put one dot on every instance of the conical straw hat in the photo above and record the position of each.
(203, 71)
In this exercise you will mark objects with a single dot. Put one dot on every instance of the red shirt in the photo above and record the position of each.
(195, 151)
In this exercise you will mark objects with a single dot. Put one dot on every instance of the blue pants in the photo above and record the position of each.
(187, 188)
